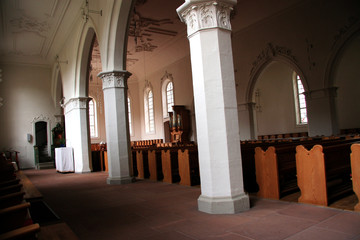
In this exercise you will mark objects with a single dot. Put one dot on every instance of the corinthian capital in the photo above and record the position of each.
(199, 15)
(115, 79)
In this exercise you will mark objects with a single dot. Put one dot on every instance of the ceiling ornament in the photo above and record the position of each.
(141, 29)
(29, 24)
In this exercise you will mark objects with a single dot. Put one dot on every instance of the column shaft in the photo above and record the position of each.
(117, 126)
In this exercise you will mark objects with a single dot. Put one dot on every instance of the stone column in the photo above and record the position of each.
(321, 111)
(117, 126)
(77, 132)
(209, 33)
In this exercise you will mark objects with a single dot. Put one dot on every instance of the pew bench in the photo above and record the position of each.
(276, 171)
(324, 173)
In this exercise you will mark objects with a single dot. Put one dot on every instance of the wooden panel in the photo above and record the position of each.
(152, 165)
(311, 175)
(140, 164)
(31, 192)
(166, 165)
(184, 167)
(106, 161)
(267, 175)
(355, 172)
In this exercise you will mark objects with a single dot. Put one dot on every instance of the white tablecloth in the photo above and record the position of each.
(64, 159)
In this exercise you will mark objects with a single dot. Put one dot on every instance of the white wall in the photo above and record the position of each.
(27, 95)
(276, 101)
(347, 79)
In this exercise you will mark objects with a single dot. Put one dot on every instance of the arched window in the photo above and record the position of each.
(169, 96)
(149, 111)
(300, 101)
(93, 119)
(167, 93)
(129, 114)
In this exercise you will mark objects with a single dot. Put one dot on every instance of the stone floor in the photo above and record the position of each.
(156, 210)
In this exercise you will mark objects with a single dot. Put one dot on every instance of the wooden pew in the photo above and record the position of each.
(142, 164)
(169, 163)
(188, 167)
(27, 232)
(10, 189)
(323, 173)
(155, 168)
(11, 199)
(355, 172)
(14, 217)
(267, 175)
(276, 171)
(9, 182)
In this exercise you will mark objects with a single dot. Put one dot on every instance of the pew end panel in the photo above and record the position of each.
(188, 167)
(355, 172)
(155, 168)
(267, 175)
(311, 175)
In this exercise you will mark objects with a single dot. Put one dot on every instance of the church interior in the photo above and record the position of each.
(155, 116)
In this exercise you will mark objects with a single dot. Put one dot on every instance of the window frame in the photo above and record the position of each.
(149, 115)
(298, 95)
(92, 102)
(130, 117)
(165, 103)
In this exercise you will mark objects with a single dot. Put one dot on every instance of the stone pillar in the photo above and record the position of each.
(321, 112)
(117, 126)
(77, 132)
(209, 33)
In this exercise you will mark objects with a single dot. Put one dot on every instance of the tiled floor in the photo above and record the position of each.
(155, 210)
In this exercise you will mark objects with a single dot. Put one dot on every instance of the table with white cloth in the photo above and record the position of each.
(64, 159)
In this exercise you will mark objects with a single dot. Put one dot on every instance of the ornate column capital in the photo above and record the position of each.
(114, 79)
(76, 103)
(199, 14)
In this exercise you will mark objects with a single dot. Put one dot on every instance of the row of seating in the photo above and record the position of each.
(15, 219)
(322, 174)
(168, 163)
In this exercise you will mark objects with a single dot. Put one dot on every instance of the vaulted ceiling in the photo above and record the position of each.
(33, 31)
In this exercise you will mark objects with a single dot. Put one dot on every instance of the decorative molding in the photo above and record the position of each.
(116, 79)
(41, 118)
(76, 103)
(310, 46)
(147, 86)
(268, 53)
(206, 15)
(342, 31)
(167, 76)
(321, 93)
(28, 24)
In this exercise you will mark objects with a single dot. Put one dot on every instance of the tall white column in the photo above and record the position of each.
(77, 133)
(209, 33)
(117, 126)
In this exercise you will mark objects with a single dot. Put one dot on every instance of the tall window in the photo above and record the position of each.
(300, 101)
(167, 92)
(129, 114)
(92, 118)
(169, 96)
(149, 112)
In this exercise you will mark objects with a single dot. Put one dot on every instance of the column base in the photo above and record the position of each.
(118, 180)
(224, 205)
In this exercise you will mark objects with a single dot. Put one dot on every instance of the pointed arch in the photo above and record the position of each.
(268, 55)
(338, 48)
